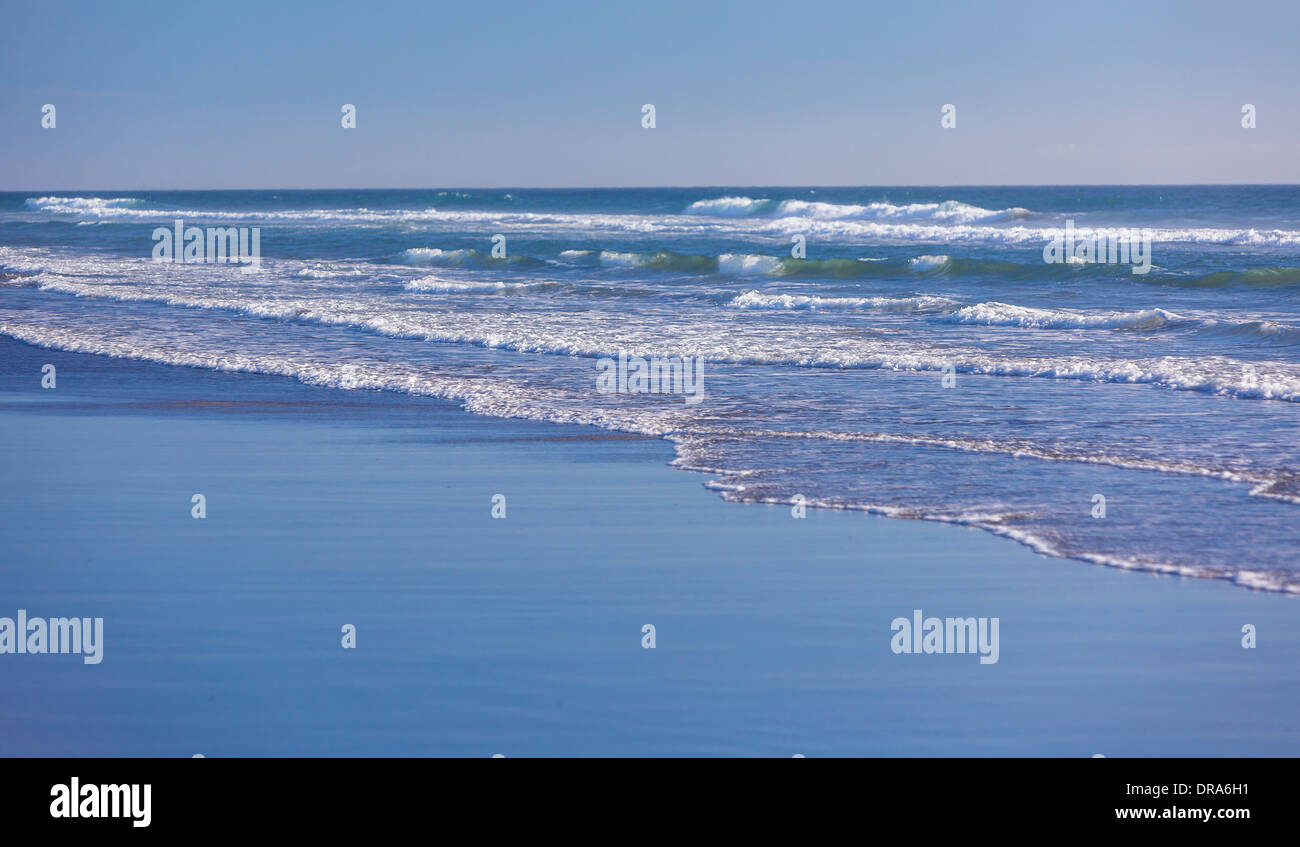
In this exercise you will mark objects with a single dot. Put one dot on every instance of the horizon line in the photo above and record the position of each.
(685, 187)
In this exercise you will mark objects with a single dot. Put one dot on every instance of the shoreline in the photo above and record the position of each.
(773, 633)
(1255, 581)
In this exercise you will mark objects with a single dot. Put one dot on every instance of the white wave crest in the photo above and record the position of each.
(994, 313)
(952, 211)
(748, 264)
(434, 256)
(328, 272)
(97, 206)
(759, 300)
(433, 283)
(928, 263)
(728, 207)
(622, 260)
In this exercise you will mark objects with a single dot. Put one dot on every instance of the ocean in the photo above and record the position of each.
(902, 351)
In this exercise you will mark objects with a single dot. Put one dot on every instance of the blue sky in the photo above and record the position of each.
(235, 95)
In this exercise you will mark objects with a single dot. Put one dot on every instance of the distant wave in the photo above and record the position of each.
(948, 222)
(436, 284)
(929, 263)
(98, 206)
(460, 258)
(949, 210)
(1010, 235)
(56, 272)
(327, 272)
(131, 208)
(662, 260)
(717, 343)
(756, 264)
(748, 264)
(435, 256)
(993, 313)
(1269, 331)
(759, 300)
(1004, 314)
(759, 264)
(1254, 277)
(729, 206)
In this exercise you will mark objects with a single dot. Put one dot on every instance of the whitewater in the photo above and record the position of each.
(920, 360)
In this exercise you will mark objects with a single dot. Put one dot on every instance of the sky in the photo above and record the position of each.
(550, 94)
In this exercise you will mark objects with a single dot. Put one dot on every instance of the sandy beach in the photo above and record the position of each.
(522, 636)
